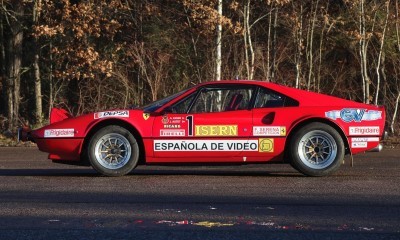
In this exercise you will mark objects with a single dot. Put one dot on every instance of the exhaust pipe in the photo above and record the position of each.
(377, 148)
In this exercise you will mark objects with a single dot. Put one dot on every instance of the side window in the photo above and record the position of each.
(222, 99)
(183, 105)
(269, 99)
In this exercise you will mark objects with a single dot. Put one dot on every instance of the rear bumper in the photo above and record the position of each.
(380, 145)
(377, 148)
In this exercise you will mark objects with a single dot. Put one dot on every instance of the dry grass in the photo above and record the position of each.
(13, 142)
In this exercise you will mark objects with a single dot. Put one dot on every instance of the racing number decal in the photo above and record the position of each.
(190, 125)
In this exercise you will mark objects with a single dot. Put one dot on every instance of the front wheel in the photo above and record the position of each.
(113, 151)
(317, 149)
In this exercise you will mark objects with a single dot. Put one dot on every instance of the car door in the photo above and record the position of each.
(213, 123)
(272, 117)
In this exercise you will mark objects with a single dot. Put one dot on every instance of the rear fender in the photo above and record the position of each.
(306, 121)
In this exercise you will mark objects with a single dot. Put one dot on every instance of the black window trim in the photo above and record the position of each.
(221, 86)
(285, 101)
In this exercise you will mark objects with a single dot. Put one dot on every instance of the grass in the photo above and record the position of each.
(13, 142)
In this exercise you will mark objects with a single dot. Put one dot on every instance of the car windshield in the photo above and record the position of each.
(159, 103)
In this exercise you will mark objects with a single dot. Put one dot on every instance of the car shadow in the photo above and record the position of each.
(88, 172)
(216, 172)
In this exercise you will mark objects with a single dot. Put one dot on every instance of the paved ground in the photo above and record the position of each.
(43, 200)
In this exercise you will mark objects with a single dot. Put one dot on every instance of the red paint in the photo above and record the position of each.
(215, 129)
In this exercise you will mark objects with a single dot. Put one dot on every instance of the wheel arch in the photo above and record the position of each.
(305, 122)
(116, 122)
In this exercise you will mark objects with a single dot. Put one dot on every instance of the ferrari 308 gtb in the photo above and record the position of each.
(222, 122)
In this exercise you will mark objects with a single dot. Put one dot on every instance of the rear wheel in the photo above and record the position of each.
(113, 151)
(317, 149)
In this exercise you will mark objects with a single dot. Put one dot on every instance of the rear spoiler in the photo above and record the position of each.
(58, 114)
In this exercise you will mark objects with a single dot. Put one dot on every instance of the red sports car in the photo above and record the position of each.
(231, 122)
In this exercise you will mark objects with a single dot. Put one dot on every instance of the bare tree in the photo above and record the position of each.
(3, 75)
(14, 61)
(38, 83)
(310, 44)
(392, 128)
(299, 42)
(382, 42)
(363, 43)
(218, 57)
(153, 66)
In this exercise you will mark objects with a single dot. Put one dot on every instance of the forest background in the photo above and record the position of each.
(91, 55)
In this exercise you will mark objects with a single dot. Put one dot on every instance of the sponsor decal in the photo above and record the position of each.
(269, 131)
(359, 144)
(216, 130)
(164, 119)
(190, 125)
(266, 145)
(206, 145)
(368, 139)
(362, 142)
(146, 116)
(106, 114)
(172, 132)
(172, 126)
(366, 131)
(172, 120)
(67, 132)
(175, 120)
(354, 115)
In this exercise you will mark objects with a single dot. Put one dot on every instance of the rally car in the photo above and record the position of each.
(221, 122)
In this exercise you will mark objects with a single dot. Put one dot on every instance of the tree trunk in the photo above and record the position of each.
(245, 38)
(38, 91)
(16, 77)
(321, 41)
(395, 113)
(218, 58)
(3, 75)
(274, 46)
(299, 44)
(14, 51)
(363, 54)
(36, 69)
(311, 76)
(378, 84)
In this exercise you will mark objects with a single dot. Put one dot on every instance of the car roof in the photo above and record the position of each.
(270, 85)
(244, 82)
(305, 98)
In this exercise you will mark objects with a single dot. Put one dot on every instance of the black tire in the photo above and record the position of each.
(113, 151)
(316, 149)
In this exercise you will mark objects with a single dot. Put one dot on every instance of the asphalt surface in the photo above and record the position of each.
(43, 200)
